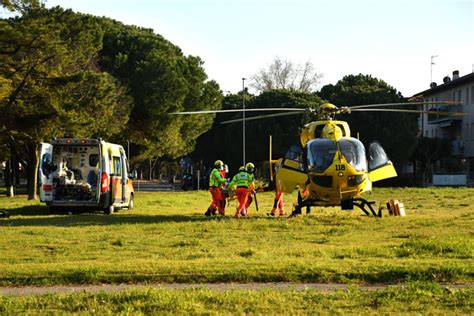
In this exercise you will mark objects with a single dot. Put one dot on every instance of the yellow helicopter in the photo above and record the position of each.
(332, 168)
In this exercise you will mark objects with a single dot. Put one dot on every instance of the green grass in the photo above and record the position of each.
(167, 239)
(414, 298)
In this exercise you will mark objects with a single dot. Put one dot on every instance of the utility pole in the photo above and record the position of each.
(243, 120)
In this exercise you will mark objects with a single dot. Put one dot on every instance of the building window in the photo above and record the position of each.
(459, 95)
(472, 95)
(467, 95)
(472, 131)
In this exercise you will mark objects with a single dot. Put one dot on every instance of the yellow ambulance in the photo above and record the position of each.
(77, 173)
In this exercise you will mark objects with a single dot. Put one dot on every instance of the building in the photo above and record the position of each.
(458, 129)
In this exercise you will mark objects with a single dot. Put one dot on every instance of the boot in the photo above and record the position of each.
(295, 212)
(272, 213)
(208, 212)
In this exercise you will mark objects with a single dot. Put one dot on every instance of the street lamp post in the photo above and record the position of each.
(243, 120)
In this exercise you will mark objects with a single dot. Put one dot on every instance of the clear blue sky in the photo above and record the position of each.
(391, 40)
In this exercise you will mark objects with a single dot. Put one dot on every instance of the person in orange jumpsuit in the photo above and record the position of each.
(277, 204)
(216, 182)
(224, 193)
(250, 168)
(245, 184)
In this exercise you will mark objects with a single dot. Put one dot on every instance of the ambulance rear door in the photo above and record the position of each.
(46, 168)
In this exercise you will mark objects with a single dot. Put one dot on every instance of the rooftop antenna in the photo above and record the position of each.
(432, 63)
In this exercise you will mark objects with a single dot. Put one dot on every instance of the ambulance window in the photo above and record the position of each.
(47, 164)
(93, 160)
(117, 166)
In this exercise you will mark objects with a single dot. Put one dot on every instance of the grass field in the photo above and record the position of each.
(415, 298)
(167, 239)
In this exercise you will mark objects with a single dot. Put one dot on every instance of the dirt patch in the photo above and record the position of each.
(323, 287)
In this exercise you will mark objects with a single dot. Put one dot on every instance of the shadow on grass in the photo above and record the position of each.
(30, 210)
(45, 217)
(390, 275)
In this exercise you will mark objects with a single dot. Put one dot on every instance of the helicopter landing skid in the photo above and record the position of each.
(366, 207)
(363, 204)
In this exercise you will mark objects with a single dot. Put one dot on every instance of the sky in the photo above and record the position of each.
(388, 39)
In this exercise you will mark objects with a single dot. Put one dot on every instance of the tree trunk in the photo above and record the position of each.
(150, 175)
(32, 173)
(9, 179)
(15, 167)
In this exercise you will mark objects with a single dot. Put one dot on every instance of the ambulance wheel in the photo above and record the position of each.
(131, 205)
(110, 210)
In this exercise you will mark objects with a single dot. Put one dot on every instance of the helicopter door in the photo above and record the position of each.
(380, 167)
(291, 171)
(46, 167)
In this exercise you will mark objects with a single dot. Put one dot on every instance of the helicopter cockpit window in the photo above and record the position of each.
(354, 153)
(377, 156)
(320, 154)
(294, 153)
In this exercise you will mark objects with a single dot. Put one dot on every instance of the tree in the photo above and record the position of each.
(225, 141)
(395, 131)
(21, 6)
(284, 74)
(48, 58)
(429, 150)
(161, 80)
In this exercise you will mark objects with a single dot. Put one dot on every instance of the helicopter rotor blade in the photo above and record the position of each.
(406, 103)
(260, 117)
(239, 110)
(410, 111)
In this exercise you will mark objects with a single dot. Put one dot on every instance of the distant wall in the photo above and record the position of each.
(450, 179)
